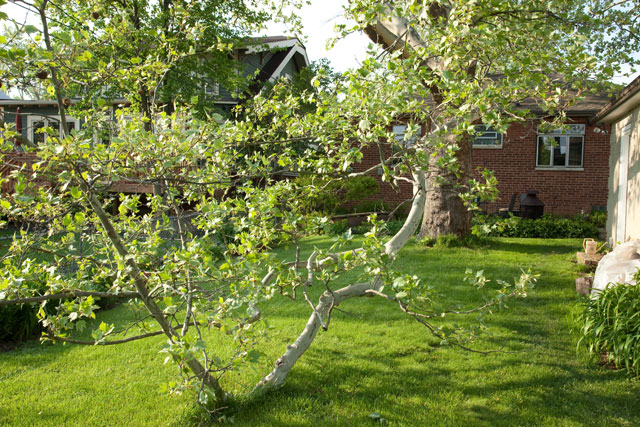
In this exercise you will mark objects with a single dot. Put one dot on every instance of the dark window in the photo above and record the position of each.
(487, 137)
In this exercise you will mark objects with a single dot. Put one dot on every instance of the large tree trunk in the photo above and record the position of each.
(444, 211)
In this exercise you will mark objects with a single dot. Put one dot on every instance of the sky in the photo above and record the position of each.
(318, 21)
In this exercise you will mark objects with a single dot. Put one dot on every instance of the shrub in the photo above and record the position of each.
(360, 188)
(599, 218)
(18, 322)
(610, 324)
(448, 241)
(331, 195)
(341, 226)
(428, 241)
(392, 227)
(547, 226)
(372, 206)
(338, 227)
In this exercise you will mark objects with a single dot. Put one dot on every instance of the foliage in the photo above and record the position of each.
(610, 325)
(18, 323)
(328, 388)
(599, 218)
(337, 227)
(112, 50)
(448, 241)
(183, 275)
(329, 196)
(453, 241)
(458, 63)
(548, 226)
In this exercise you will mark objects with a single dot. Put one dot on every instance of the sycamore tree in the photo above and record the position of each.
(469, 62)
(195, 253)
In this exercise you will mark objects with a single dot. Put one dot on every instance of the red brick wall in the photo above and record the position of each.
(564, 192)
(387, 193)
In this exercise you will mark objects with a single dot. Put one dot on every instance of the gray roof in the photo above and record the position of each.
(587, 106)
(628, 96)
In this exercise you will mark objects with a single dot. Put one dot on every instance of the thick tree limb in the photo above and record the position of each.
(329, 300)
(302, 343)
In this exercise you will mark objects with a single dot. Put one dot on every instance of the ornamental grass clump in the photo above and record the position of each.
(610, 326)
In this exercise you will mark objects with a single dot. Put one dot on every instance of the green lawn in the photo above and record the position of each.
(373, 359)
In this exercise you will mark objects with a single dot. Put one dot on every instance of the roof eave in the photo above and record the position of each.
(628, 98)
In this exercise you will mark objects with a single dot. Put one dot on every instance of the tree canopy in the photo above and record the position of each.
(193, 252)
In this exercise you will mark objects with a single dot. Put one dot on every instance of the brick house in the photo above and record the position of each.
(569, 168)
(263, 60)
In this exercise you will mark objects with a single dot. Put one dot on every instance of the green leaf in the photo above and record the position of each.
(76, 193)
(448, 75)
(30, 29)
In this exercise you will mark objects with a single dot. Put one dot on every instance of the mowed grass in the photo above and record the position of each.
(373, 359)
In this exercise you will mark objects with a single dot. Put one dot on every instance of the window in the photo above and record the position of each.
(35, 123)
(212, 88)
(561, 148)
(399, 132)
(487, 137)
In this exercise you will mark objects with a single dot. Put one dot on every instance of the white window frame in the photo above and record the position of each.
(49, 121)
(572, 131)
(485, 134)
(399, 136)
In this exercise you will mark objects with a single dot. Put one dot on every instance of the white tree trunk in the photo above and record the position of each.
(294, 351)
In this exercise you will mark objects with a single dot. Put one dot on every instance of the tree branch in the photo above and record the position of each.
(70, 294)
(122, 341)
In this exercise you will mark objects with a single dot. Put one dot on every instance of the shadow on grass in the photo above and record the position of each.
(343, 393)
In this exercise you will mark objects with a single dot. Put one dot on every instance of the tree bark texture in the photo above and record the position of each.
(444, 211)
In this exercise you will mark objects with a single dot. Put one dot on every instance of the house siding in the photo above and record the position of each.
(632, 229)
(26, 111)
